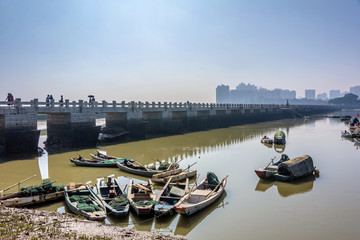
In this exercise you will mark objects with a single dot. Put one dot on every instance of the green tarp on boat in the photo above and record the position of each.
(297, 167)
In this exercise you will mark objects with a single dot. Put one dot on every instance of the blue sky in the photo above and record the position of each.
(176, 50)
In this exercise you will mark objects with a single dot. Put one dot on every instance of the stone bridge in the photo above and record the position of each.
(73, 124)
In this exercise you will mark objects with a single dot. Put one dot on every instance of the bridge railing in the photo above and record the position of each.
(159, 106)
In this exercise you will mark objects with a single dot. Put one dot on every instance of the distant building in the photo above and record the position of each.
(222, 94)
(334, 94)
(249, 93)
(355, 90)
(322, 96)
(310, 94)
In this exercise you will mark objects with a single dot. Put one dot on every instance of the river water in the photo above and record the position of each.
(312, 208)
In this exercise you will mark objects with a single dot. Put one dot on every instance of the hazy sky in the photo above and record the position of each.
(175, 50)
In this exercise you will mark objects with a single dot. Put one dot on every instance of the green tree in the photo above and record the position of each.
(349, 100)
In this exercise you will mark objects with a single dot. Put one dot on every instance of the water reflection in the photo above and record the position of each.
(186, 224)
(279, 148)
(286, 189)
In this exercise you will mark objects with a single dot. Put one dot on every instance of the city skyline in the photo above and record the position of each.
(175, 51)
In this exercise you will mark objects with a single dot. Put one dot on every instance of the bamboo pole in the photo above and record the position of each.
(18, 183)
(217, 186)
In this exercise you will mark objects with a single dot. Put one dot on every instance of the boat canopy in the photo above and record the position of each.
(297, 167)
(279, 134)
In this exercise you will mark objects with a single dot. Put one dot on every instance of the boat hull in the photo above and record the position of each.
(25, 201)
(265, 174)
(144, 173)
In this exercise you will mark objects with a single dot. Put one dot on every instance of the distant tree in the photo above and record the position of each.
(349, 101)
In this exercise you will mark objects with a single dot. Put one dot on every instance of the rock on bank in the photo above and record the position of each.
(33, 224)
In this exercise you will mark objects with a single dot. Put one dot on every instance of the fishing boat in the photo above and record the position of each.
(267, 140)
(347, 134)
(345, 118)
(80, 161)
(272, 168)
(146, 171)
(171, 193)
(177, 175)
(142, 197)
(84, 202)
(202, 196)
(114, 198)
(44, 192)
(279, 138)
(295, 168)
(102, 155)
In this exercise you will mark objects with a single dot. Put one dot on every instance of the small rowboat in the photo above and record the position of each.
(115, 201)
(345, 118)
(129, 167)
(357, 140)
(271, 169)
(347, 134)
(141, 197)
(80, 161)
(169, 196)
(84, 202)
(101, 155)
(177, 175)
(267, 140)
(201, 197)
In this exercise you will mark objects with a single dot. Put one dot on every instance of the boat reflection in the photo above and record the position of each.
(187, 223)
(279, 148)
(267, 145)
(166, 223)
(286, 189)
(141, 223)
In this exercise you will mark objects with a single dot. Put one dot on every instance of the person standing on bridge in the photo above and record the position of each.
(61, 100)
(47, 100)
(9, 98)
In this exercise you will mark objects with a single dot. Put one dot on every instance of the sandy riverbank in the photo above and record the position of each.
(33, 224)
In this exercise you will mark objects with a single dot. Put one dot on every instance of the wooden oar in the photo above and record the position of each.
(188, 168)
(17, 184)
(217, 186)
(272, 160)
(195, 183)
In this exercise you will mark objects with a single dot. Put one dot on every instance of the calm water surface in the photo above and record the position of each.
(313, 208)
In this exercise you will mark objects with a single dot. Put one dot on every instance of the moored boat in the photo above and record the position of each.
(267, 140)
(272, 168)
(357, 139)
(84, 202)
(202, 196)
(345, 118)
(44, 192)
(295, 168)
(142, 197)
(279, 138)
(171, 193)
(114, 198)
(347, 134)
(80, 161)
(177, 175)
(146, 171)
(101, 155)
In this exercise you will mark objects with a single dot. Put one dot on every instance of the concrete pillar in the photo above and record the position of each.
(116, 120)
(72, 129)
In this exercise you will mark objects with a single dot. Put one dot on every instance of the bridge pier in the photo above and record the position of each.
(72, 130)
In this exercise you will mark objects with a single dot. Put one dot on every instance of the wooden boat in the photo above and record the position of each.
(129, 167)
(267, 140)
(202, 196)
(357, 140)
(142, 197)
(80, 161)
(177, 175)
(347, 134)
(101, 155)
(171, 193)
(345, 118)
(115, 200)
(295, 168)
(271, 169)
(43, 192)
(333, 116)
(279, 138)
(84, 202)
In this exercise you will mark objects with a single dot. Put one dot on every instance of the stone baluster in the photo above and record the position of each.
(67, 103)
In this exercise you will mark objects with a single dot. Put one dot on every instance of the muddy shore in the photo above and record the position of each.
(33, 224)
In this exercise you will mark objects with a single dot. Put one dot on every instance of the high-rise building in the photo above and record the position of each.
(222, 94)
(334, 94)
(322, 96)
(355, 90)
(310, 94)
